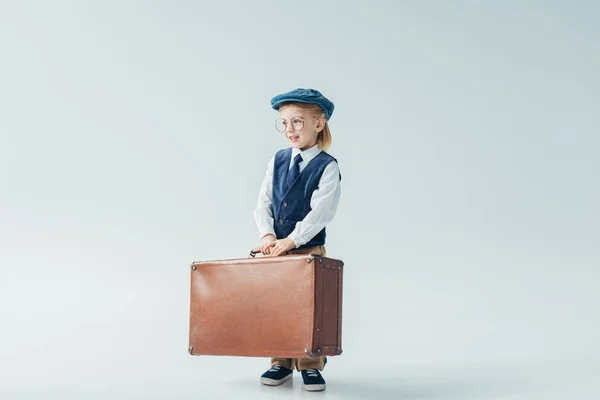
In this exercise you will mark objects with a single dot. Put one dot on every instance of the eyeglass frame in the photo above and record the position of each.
(285, 120)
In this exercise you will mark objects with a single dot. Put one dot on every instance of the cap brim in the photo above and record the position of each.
(278, 103)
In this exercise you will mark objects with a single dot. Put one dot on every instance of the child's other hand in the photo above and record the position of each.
(280, 246)
(264, 243)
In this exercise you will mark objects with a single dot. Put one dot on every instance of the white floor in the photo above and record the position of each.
(230, 378)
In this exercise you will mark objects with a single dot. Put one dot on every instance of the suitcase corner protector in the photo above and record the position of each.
(311, 354)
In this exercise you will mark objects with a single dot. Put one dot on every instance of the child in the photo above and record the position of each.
(299, 196)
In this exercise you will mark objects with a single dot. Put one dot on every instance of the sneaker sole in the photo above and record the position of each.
(275, 382)
(314, 388)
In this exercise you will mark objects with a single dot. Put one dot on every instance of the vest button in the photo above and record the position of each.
(285, 204)
(280, 222)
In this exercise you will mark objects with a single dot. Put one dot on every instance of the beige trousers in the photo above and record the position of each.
(301, 364)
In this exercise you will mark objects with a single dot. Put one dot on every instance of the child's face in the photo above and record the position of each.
(306, 137)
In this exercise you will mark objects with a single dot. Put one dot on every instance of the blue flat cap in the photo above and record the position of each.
(304, 96)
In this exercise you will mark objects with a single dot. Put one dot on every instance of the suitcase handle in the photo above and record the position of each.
(255, 251)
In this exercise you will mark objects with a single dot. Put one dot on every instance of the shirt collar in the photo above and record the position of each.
(307, 154)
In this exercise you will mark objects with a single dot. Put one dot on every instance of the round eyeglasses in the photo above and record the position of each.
(282, 124)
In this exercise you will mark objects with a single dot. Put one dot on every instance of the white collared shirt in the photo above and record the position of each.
(324, 200)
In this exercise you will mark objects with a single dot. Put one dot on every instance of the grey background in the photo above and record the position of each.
(134, 137)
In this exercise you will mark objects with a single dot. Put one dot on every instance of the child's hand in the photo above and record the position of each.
(280, 246)
(264, 243)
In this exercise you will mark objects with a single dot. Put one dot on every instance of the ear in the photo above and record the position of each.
(320, 124)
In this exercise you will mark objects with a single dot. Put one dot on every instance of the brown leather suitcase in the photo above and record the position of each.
(287, 306)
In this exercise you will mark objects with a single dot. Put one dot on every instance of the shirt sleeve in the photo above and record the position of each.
(324, 203)
(263, 214)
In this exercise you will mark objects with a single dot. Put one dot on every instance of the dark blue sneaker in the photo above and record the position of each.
(276, 375)
(313, 381)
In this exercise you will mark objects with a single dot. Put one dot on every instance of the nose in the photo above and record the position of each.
(289, 128)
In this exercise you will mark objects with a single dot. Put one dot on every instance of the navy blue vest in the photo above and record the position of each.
(291, 205)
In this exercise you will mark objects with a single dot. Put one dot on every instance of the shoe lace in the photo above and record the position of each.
(275, 368)
(311, 372)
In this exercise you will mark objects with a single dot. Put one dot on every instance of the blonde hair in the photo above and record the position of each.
(324, 138)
